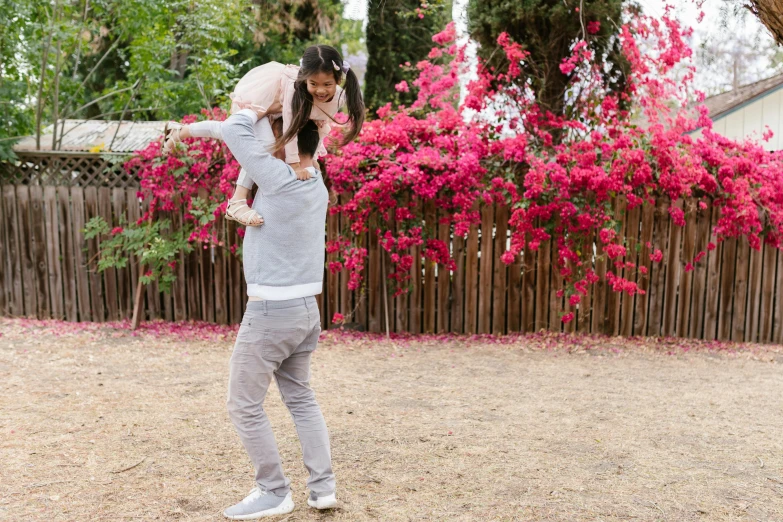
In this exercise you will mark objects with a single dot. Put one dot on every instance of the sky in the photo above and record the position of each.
(357, 10)
(727, 36)
(750, 45)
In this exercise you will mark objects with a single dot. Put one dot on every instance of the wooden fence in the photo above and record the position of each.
(734, 293)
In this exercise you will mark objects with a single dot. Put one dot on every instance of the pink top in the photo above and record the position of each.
(269, 89)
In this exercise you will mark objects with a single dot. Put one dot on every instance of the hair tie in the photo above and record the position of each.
(345, 68)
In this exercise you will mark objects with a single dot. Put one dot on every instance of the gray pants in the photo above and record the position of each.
(277, 339)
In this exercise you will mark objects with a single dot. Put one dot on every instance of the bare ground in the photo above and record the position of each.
(100, 425)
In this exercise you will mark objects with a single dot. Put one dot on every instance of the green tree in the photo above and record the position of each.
(162, 59)
(281, 31)
(547, 29)
(396, 34)
(16, 117)
(142, 59)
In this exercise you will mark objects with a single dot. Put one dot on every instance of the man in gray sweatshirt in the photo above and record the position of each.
(284, 266)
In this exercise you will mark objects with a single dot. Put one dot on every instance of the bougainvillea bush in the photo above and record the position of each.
(559, 174)
(196, 181)
(490, 143)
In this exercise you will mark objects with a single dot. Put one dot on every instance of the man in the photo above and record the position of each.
(283, 263)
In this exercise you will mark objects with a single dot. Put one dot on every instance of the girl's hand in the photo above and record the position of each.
(302, 174)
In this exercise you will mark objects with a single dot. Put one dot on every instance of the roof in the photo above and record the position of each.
(96, 136)
(721, 104)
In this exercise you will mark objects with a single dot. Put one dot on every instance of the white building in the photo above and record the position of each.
(745, 113)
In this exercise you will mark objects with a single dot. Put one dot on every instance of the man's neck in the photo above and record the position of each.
(306, 161)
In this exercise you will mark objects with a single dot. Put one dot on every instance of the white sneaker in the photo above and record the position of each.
(327, 502)
(260, 504)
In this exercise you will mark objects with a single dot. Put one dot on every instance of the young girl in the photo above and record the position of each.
(310, 91)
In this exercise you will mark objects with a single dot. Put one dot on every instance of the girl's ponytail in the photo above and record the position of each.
(355, 106)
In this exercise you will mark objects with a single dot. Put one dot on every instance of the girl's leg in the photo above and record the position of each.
(240, 193)
(244, 184)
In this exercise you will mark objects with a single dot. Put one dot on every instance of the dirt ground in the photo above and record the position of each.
(100, 425)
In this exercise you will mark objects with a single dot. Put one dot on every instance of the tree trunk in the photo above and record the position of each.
(56, 102)
(138, 302)
(770, 13)
(44, 59)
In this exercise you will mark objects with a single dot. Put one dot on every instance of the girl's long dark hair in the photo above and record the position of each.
(317, 59)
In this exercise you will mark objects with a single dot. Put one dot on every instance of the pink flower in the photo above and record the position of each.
(607, 235)
(338, 318)
(678, 216)
(567, 67)
(116, 230)
(567, 318)
(614, 251)
(559, 176)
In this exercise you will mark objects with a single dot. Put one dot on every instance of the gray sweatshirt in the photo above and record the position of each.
(283, 258)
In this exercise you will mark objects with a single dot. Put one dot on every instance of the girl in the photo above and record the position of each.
(310, 91)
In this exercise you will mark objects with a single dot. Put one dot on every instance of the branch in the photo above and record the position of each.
(130, 467)
(12, 138)
(62, 134)
(99, 116)
(102, 98)
(56, 107)
(39, 109)
(117, 130)
(84, 82)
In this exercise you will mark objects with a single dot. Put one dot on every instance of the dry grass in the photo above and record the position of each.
(104, 426)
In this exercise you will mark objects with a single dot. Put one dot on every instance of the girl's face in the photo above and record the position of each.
(322, 86)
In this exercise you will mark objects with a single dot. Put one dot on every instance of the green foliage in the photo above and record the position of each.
(145, 59)
(178, 54)
(396, 35)
(547, 29)
(281, 31)
(18, 44)
(154, 244)
(203, 210)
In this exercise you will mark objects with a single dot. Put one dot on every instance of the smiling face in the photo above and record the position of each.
(322, 86)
